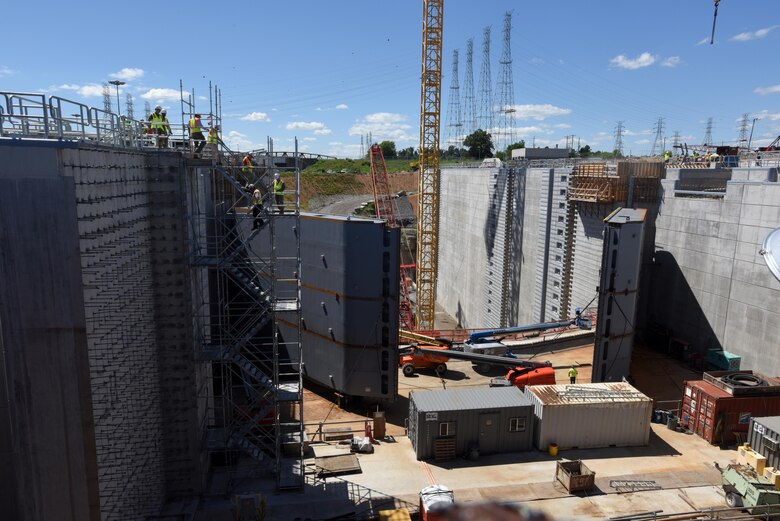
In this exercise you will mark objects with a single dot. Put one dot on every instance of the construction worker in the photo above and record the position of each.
(156, 123)
(667, 155)
(166, 129)
(257, 206)
(213, 141)
(278, 190)
(246, 165)
(196, 134)
(573, 375)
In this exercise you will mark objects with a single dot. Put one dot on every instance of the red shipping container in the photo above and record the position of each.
(716, 416)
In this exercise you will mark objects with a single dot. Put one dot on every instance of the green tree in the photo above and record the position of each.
(480, 144)
(388, 149)
(585, 151)
(519, 144)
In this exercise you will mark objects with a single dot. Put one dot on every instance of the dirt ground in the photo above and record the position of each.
(655, 374)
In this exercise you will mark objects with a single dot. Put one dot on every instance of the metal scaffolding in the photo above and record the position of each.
(247, 283)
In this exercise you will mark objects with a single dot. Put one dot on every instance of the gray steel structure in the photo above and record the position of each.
(495, 419)
(764, 438)
(618, 294)
(349, 302)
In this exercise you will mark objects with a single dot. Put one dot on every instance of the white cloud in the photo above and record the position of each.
(323, 132)
(65, 86)
(204, 98)
(6, 71)
(384, 126)
(339, 149)
(128, 74)
(642, 141)
(774, 89)
(539, 112)
(643, 60)
(161, 94)
(91, 90)
(765, 114)
(385, 117)
(306, 125)
(256, 116)
(340, 106)
(671, 61)
(310, 139)
(238, 141)
(754, 35)
(704, 40)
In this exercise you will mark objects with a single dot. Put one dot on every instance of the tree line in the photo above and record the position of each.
(479, 145)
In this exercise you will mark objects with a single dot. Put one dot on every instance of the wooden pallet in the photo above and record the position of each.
(444, 449)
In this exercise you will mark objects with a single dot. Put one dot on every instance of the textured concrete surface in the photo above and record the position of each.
(101, 238)
(710, 285)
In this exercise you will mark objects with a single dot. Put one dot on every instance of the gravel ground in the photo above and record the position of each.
(337, 204)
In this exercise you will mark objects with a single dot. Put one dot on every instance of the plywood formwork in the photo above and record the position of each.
(606, 183)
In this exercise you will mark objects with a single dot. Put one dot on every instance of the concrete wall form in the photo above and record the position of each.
(133, 282)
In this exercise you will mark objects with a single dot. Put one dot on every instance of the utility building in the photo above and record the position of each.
(443, 424)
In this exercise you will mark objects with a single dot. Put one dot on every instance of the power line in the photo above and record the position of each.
(619, 130)
(742, 138)
(708, 132)
(454, 123)
(107, 98)
(658, 143)
(506, 90)
(485, 117)
(129, 107)
(469, 102)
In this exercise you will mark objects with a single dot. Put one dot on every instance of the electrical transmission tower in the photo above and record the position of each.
(129, 107)
(742, 139)
(147, 109)
(485, 117)
(454, 123)
(107, 98)
(708, 132)
(469, 103)
(658, 144)
(506, 90)
(618, 147)
(676, 141)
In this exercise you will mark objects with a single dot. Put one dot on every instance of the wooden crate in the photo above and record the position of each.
(574, 475)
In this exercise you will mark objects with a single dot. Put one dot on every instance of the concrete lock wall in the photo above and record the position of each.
(129, 283)
(710, 286)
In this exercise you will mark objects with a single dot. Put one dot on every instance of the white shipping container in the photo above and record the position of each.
(587, 416)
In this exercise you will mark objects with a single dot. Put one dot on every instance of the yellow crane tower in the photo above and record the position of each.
(430, 172)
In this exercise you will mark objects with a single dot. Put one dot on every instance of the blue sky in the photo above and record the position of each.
(331, 71)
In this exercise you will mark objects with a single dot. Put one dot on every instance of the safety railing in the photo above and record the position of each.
(31, 115)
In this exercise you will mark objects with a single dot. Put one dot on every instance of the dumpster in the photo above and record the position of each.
(574, 475)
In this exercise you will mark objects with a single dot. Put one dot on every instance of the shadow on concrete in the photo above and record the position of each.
(456, 376)
(674, 312)
(516, 259)
(656, 447)
(496, 200)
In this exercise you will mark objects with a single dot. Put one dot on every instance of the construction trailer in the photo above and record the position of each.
(590, 416)
(719, 407)
(447, 423)
(764, 437)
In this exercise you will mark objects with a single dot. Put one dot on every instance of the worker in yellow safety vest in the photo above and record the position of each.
(157, 124)
(278, 190)
(573, 375)
(196, 134)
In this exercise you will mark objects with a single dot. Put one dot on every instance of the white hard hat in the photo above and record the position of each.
(164, 111)
(276, 176)
(157, 107)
